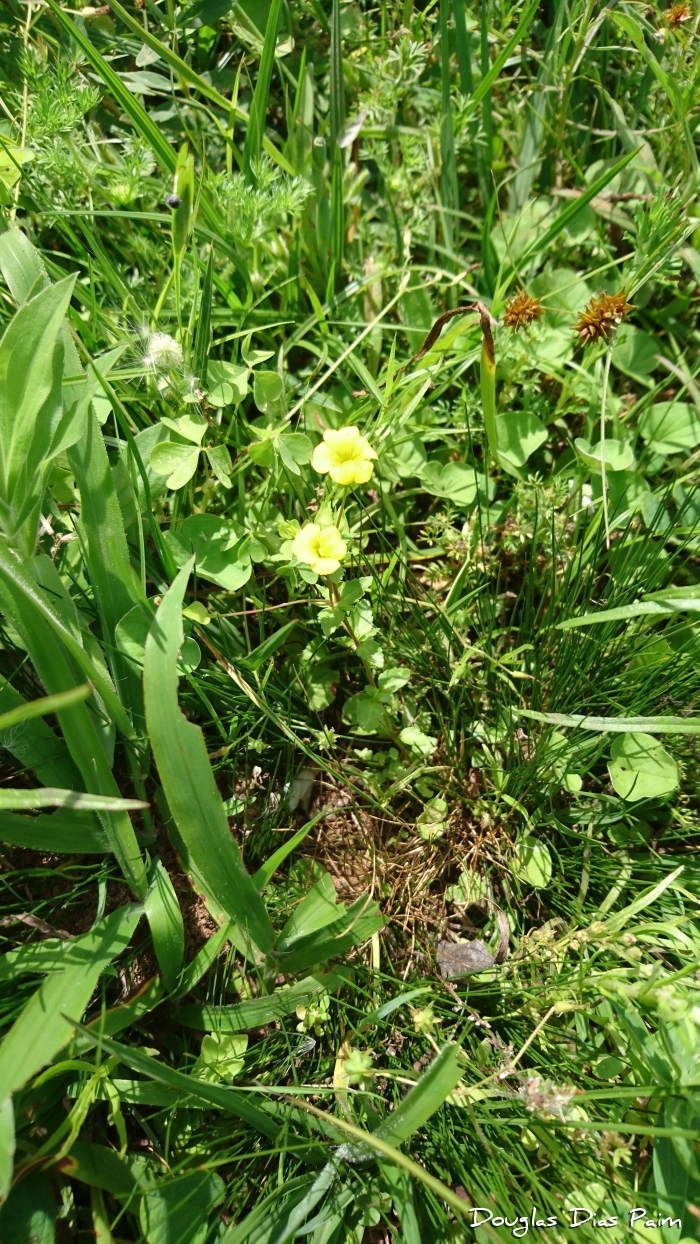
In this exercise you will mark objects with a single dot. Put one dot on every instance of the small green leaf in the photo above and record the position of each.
(532, 862)
(229, 383)
(393, 679)
(190, 426)
(221, 1057)
(220, 463)
(433, 819)
(640, 768)
(421, 744)
(268, 392)
(364, 713)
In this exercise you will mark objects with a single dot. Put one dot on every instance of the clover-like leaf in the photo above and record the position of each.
(178, 462)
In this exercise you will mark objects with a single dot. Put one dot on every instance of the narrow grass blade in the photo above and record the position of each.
(221, 1098)
(618, 725)
(117, 1018)
(449, 190)
(269, 868)
(47, 704)
(188, 781)
(258, 108)
(165, 922)
(203, 337)
(36, 745)
(519, 33)
(204, 959)
(336, 83)
(7, 1145)
(106, 552)
(464, 48)
(638, 609)
(337, 221)
(44, 1026)
(51, 797)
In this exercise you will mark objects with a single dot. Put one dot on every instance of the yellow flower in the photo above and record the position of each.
(346, 455)
(321, 548)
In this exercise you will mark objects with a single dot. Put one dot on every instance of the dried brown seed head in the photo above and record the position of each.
(677, 14)
(601, 316)
(522, 311)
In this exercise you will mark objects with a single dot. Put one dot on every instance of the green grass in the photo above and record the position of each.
(246, 804)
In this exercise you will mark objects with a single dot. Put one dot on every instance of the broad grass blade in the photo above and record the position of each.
(36, 745)
(188, 782)
(258, 1011)
(221, 1098)
(44, 1026)
(69, 833)
(442, 1076)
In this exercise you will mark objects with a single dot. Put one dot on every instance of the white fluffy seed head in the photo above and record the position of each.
(164, 352)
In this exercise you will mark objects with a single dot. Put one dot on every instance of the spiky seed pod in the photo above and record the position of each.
(677, 14)
(522, 311)
(601, 316)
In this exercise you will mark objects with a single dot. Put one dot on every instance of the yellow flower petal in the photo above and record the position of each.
(321, 548)
(321, 460)
(345, 455)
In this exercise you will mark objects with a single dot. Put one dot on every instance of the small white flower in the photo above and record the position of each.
(164, 352)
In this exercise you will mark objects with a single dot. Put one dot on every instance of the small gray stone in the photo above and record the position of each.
(462, 958)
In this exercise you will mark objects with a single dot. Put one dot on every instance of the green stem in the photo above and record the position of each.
(603, 404)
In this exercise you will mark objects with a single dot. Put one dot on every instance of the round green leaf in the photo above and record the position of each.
(618, 455)
(635, 351)
(519, 435)
(455, 481)
(640, 768)
(532, 862)
(670, 427)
